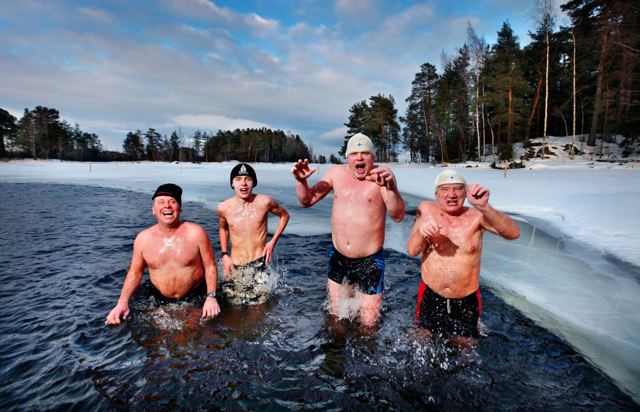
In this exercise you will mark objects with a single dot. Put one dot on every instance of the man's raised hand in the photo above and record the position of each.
(477, 195)
(383, 177)
(301, 170)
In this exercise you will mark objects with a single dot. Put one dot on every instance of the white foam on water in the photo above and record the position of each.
(165, 317)
(347, 305)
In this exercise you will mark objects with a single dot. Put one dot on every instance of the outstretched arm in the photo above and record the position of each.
(493, 220)
(308, 196)
(393, 200)
(131, 283)
(210, 307)
(281, 212)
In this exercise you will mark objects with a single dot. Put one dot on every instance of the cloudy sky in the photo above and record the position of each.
(296, 65)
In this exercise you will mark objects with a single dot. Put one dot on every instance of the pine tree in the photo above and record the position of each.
(383, 129)
(152, 147)
(133, 145)
(174, 147)
(356, 124)
(8, 128)
(419, 132)
(506, 90)
(197, 141)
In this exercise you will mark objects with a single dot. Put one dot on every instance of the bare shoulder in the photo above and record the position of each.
(473, 217)
(263, 199)
(144, 238)
(334, 170)
(428, 208)
(193, 229)
(145, 235)
(222, 207)
(337, 173)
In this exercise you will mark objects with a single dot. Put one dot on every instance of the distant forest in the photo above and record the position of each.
(578, 80)
(41, 134)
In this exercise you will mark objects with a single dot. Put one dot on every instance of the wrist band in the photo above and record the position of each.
(211, 294)
(222, 254)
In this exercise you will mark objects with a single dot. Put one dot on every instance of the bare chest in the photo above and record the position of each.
(465, 233)
(172, 251)
(360, 193)
(246, 218)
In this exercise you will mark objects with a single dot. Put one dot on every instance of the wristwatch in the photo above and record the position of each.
(223, 254)
(211, 294)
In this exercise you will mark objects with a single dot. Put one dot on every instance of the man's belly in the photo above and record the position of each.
(356, 244)
(242, 256)
(451, 280)
(176, 285)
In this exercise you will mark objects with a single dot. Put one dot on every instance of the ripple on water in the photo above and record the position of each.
(62, 272)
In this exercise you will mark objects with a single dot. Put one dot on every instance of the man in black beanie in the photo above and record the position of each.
(177, 254)
(243, 220)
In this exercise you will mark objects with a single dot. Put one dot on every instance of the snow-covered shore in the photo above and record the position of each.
(584, 199)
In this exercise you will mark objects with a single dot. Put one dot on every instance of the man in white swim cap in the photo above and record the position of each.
(449, 237)
(363, 194)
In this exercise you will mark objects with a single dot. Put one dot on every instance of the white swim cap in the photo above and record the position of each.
(359, 143)
(449, 176)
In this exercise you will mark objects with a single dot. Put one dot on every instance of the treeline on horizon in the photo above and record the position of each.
(246, 145)
(41, 134)
(578, 80)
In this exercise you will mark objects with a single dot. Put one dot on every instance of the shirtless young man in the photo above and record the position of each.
(243, 218)
(178, 255)
(449, 236)
(363, 193)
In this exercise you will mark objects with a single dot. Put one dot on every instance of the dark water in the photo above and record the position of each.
(64, 251)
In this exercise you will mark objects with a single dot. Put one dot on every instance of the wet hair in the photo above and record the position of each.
(169, 189)
(243, 169)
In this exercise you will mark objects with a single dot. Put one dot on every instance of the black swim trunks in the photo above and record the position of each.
(196, 295)
(450, 316)
(367, 273)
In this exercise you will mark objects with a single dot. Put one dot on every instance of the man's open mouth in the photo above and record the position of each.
(167, 213)
(360, 166)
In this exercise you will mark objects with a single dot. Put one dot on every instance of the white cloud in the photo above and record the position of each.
(356, 7)
(95, 14)
(203, 8)
(410, 19)
(334, 136)
(211, 122)
(260, 25)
